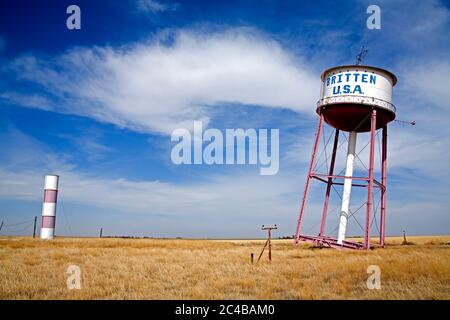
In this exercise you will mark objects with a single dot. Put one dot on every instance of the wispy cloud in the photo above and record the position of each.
(418, 30)
(90, 144)
(156, 87)
(37, 101)
(430, 81)
(235, 200)
(156, 6)
(211, 199)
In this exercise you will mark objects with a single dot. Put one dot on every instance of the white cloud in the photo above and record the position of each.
(158, 87)
(220, 204)
(422, 95)
(155, 7)
(26, 161)
(213, 197)
(242, 200)
(418, 26)
(430, 81)
(31, 101)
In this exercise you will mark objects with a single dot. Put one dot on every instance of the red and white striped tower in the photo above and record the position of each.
(49, 207)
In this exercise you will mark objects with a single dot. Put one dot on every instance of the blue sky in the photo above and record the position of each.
(97, 106)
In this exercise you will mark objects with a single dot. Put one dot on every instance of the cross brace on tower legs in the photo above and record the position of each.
(331, 179)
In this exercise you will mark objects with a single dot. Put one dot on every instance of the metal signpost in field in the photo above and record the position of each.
(268, 242)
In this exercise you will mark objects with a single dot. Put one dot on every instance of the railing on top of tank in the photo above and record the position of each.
(357, 100)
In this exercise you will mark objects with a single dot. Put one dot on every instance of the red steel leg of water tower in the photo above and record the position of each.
(370, 179)
(329, 183)
(308, 179)
(383, 187)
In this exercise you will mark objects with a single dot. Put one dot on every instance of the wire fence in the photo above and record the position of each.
(26, 227)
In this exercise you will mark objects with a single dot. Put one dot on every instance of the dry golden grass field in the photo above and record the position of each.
(219, 269)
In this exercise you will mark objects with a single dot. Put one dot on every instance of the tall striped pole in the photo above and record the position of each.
(49, 207)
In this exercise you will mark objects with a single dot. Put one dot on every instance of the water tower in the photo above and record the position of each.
(355, 99)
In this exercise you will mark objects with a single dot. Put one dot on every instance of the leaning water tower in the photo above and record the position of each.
(354, 100)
